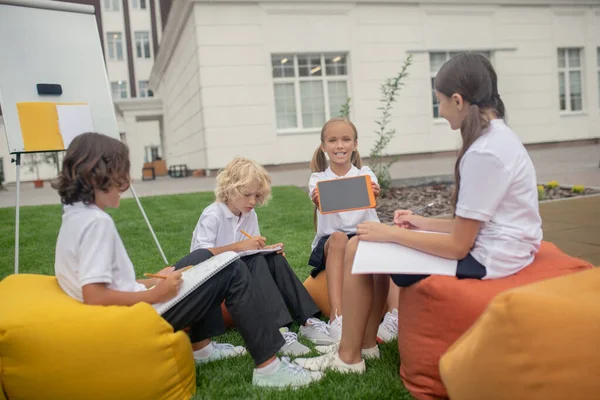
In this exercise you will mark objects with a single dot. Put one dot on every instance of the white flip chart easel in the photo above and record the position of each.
(53, 82)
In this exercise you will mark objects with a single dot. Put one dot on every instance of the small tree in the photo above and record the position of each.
(345, 109)
(384, 134)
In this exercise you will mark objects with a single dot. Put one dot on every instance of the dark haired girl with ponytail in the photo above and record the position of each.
(496, 229)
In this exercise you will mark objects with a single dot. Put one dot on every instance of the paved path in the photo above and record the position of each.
(574, 226)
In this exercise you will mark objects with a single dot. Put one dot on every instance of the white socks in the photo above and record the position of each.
(269, 369)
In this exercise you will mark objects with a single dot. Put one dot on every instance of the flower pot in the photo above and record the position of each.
(38, 183)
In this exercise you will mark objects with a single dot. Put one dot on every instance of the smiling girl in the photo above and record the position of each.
(339, 141)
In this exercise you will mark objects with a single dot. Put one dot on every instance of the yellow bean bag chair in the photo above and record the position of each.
(54, 347)
(537, 342)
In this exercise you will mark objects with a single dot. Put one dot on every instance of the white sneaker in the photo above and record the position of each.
(220, 351)
(331, 361)
(372, 353)
(287, 375)
(388, 329)
(335, 328)
(292, 346)
(316, 331)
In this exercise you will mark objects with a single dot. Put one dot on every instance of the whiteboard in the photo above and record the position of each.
(43, 41)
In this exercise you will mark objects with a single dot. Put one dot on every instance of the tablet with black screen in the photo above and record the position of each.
(346, 194)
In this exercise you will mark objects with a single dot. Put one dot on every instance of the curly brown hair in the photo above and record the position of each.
(93, 161)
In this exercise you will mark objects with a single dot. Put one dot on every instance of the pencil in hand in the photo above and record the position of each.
(246, 234)
(419, 210)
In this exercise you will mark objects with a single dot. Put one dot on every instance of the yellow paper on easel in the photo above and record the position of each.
(39, 126)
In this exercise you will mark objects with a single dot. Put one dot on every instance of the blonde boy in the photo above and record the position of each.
(231, 224)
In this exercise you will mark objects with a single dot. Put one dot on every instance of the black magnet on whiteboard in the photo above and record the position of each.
(49, 89)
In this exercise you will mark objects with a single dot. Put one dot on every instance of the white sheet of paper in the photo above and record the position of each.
(392, 258)
(73, 120)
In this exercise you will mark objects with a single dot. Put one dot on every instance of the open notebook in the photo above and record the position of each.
(392, 258)
(196, 276)
(261, 251)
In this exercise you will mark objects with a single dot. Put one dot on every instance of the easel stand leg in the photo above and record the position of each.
(18, 199)
(149, 226)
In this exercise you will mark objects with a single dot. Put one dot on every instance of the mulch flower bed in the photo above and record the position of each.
(410, 198)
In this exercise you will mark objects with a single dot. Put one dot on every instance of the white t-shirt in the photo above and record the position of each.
(218, 227)
(343, 221)
(89, 250)
(498, 186)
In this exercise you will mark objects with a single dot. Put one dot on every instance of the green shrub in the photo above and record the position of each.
(552, 184)
(578, 189)
(541, 192)
(384, 134)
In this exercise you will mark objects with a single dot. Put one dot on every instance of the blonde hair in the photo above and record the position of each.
(319, 161)
(239, 175)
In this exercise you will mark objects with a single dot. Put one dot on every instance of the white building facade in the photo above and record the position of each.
(259, 78)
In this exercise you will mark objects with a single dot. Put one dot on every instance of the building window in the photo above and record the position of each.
(570, 86)
(142, 44)
(1, 171)
(309, 89)
(114, 42)
(141, 4)
(436, 60)
(143, 89)
(119, 89)
(598, 64)
(152, 153)
(112, 5)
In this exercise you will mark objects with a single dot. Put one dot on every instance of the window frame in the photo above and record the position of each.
(143, 41)
(598, 72)
(112, 43)
(111, 5)
(297, 79)
(143, 90)
(121, 87)
(565, 71)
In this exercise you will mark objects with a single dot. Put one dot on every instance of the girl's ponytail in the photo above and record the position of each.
(472, 127)
(318, 162)
(356, 161)
(473, 77)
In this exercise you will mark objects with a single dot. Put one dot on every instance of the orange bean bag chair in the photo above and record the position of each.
(226, 316)
(434, 313)
(538, 342)
(317, 288)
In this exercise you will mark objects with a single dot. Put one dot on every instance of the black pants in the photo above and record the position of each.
(467, 268)
(281, 291)
(201, 310)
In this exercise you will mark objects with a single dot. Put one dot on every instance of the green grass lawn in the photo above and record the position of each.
(287, 218)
